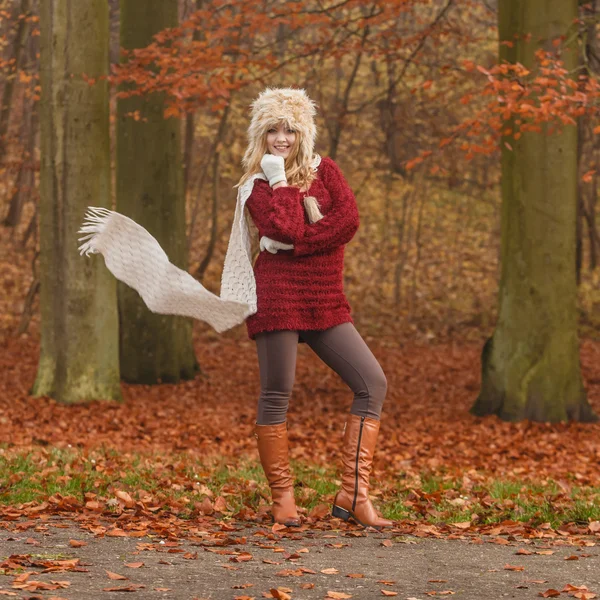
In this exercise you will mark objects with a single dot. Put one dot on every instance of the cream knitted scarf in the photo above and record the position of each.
(134, 257)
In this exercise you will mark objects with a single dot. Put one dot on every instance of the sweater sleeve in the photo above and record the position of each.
(278, 213)
(341, 222)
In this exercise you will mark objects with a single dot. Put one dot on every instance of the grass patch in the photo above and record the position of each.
(181, 484)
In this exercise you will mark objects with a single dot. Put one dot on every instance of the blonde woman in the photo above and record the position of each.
(299, 211)
(305, 213)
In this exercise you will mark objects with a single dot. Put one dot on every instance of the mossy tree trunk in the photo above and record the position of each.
(530, 366)
(153, 348)
(79, 333)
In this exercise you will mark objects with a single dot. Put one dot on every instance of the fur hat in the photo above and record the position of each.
(275, 104)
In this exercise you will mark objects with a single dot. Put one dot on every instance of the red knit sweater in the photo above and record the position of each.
(302, 288)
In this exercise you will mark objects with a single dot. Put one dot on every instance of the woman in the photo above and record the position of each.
(293, 292)
(305, 213)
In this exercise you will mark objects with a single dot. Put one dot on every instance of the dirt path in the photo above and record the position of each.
(309, 565)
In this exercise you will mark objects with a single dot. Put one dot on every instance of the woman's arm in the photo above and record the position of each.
(340, 223)
(277, 212)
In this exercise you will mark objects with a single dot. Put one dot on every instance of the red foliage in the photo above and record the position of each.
(425, 423)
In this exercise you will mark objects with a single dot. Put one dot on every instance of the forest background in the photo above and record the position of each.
(411, 105)
(431, 233)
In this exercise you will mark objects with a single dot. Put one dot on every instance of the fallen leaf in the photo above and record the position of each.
(574, 588)
(77, 543)
(115, 576)
(133, 587)
(242, 557)
(125, 498)
(462, 525)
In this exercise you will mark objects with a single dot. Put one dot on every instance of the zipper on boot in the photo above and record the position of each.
(362, 420)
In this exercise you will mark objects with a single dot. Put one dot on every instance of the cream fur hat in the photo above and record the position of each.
(274, 104)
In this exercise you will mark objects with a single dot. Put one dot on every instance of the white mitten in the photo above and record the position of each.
(272, 246)
(274, 168)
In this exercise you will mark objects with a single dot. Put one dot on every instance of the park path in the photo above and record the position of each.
(309, 565)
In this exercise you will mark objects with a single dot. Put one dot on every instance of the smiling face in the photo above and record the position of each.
(280, 140)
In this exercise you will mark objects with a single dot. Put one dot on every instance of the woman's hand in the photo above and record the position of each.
(272, 246)
(274, 168)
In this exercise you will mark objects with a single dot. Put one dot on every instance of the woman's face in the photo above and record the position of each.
(280, 140)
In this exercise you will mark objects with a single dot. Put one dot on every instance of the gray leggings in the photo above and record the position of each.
(340, 347)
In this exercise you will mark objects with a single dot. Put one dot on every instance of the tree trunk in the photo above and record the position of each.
(25, 173)
(201, 270)
(190, 123)
(530, 366)
(153, 347)
(79, 338)
(9, 85)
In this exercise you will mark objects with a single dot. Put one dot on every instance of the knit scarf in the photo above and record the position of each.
(135, 257)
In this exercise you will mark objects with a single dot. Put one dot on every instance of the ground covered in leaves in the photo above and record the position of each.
(178, 462)
(244, 561)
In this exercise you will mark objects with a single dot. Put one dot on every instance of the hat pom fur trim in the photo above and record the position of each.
(291, 105)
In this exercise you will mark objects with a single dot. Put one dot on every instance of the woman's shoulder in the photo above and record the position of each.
(327, 164)
(326, 161)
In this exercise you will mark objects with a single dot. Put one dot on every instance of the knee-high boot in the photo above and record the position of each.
(360, 439)
(273, 451)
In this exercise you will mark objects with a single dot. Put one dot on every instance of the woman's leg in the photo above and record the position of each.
(277, 352)
(277, 361)
(343, 349)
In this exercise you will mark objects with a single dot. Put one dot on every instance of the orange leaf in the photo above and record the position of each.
(125, 498)
(587, 177)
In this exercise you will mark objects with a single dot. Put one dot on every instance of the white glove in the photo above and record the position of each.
(272, 246)
(274, 168)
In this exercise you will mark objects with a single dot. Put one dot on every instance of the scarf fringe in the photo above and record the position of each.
(94, 224)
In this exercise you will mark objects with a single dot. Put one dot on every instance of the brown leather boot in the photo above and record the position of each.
(360, 438)
(273, 451)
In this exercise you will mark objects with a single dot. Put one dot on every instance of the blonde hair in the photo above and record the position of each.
(298, 170)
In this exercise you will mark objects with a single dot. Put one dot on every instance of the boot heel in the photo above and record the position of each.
(340, 513)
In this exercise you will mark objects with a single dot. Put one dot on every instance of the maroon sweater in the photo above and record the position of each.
(302, 288)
